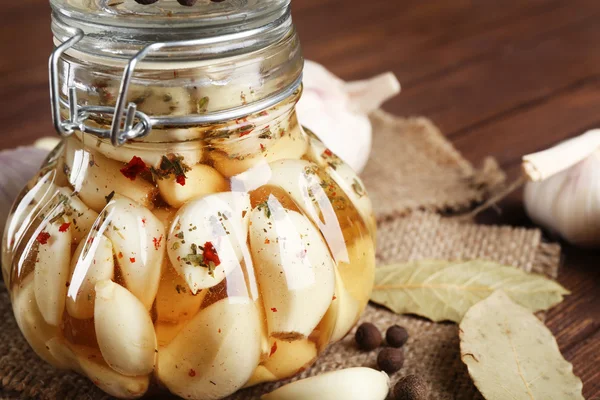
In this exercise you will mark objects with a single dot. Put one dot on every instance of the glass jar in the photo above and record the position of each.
(187, 234)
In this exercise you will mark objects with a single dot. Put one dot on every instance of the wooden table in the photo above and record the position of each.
(500, 78)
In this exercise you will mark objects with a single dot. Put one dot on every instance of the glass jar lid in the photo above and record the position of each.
(206, 37)
(122, 28)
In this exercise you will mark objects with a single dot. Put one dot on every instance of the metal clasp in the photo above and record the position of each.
(124, 126)
(79, 114)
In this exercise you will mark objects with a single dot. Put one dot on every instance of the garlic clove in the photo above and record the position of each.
(288, 358)
(124, 330)
(80, 216)
(301, 181)
(215, 353)
(89, 362)
(60, 350)
(348, 384)
(347, 179)
(343, 313)
(290, 146)
(51, 271)
(110, 381)
(138, 239)
(260, 375)
(93, 261)
(94, 177)
(219, 220)
(31, 321)
(294, 270)
(174, 299)
(284, 359)
(200, 180)
(192, 152)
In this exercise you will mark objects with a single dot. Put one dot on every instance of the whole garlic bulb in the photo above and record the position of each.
(337, 111)
(563, 195)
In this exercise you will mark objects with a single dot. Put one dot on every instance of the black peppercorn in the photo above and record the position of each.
(187, 3)
(368, 337)
(146, 2)
(411, 387)
(390, 359)
(396, 336)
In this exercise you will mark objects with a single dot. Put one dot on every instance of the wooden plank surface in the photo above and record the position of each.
(500, 78)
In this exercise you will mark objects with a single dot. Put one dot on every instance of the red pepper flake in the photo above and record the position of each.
(144, 221)
(180, 179)
(267, 241)
(210, 254)
(274, 309)
(132, 260)
(192, 373)
(262, 147)
(120, 255)
(273, 349)
(43, 237)
(242, 134)
(64, 227)
(133, 168)
(178, 258)
(263, 113)
(333, 298)
(219, 330)
(157, 242)
(328, 153)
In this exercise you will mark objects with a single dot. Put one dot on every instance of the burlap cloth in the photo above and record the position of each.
(414, 167)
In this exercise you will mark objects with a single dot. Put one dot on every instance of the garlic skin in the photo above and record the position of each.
(337, 111)
(348, 384)
(563, 195)
(568, 203)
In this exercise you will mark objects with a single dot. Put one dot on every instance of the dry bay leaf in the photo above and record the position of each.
(511, 354)
(444, 290)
